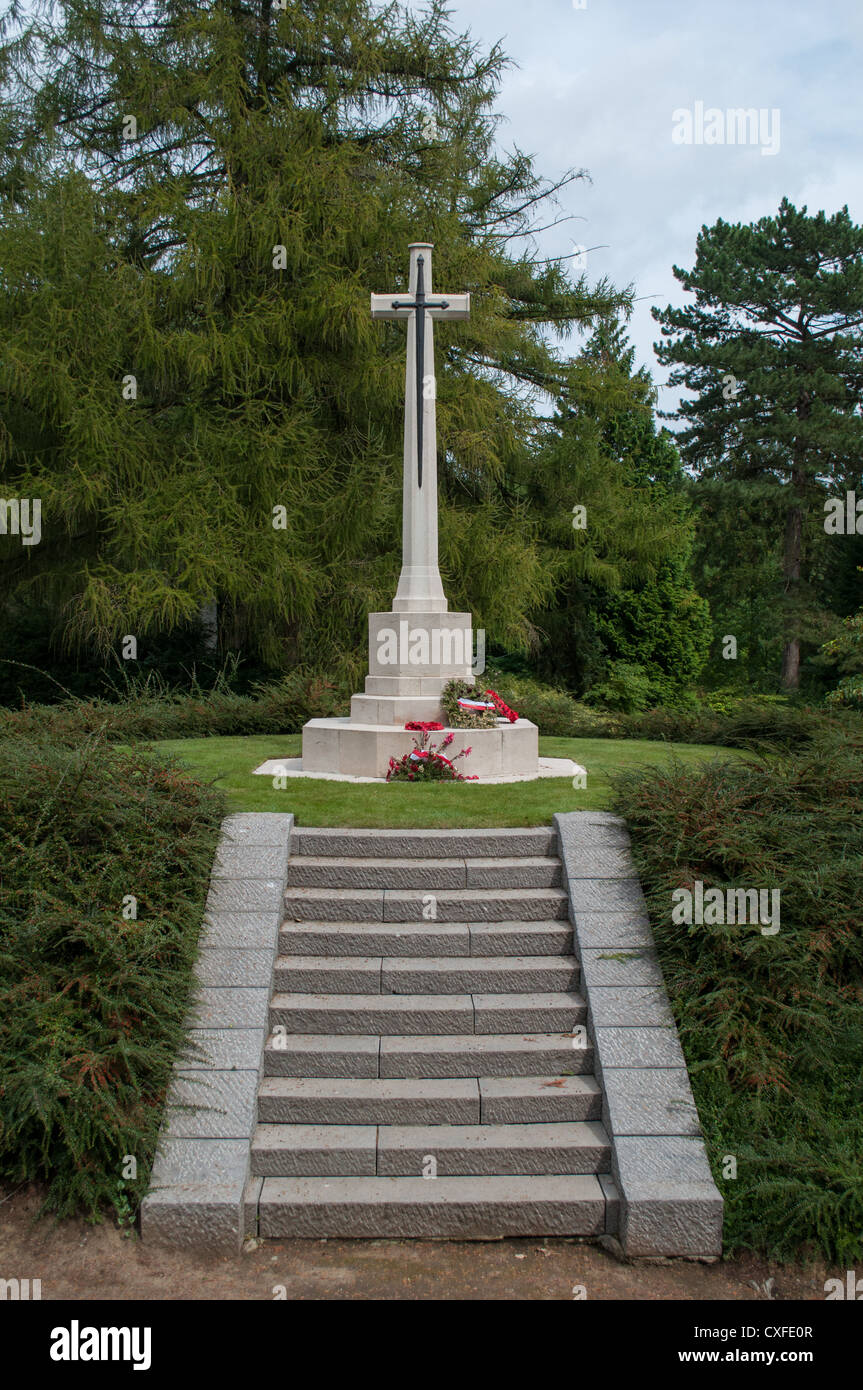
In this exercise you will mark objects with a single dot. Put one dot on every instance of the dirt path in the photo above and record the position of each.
(79, 1261)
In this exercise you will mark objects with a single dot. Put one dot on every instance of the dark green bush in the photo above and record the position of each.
(94, 1003)
(153, 712)
(772, 1026)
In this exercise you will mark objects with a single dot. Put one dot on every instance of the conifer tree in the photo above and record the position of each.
(624, 590)
(772, 350)
(196, 204)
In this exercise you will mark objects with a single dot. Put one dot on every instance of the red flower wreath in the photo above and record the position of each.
(419, 726)
(502, 707)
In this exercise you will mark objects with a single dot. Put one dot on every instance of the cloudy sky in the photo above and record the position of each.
(596, 87)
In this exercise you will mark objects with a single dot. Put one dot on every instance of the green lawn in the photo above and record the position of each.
(229, 763)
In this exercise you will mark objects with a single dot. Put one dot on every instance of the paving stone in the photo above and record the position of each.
(600, 860)
(243, 969)
(244, 895)
(519, 939)
(184, 1161)
(422, 844)
(413, 1208)
(321, 1054)
(528, 872)
(225, 1007)
(318, 975)
(368, 939)
(373, 1013)
(528, 1013)
(636, 1006)
(519, 1100)
(334, 904)
(195, 1216)
(669, 1203)
(307, 871)
(241, 931)
(222, 1049)
(498, 1150)
(476, 905)
(653, 1100)
(290, 1151)
(258, 828)
(622, 967)
(250, 861)
(223, 1101)
(605, 895)
(504, 1054)
(615, 931)
(638, 1047)
(348, 1100)
(490, 974)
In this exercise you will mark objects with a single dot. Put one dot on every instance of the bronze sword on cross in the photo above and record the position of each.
(455, 306)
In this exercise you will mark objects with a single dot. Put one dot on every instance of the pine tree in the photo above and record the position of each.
(772, 349)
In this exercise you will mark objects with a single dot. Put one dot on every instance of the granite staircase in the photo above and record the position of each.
(428, 1072)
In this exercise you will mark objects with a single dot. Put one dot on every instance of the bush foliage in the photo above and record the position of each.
(772, 1026)
(94, 1002)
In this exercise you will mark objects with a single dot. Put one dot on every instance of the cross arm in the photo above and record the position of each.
(458, 307)
(382, 307)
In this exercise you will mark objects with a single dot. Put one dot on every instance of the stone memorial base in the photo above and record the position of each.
(348, 748)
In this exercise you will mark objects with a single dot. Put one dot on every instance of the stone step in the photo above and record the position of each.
(377, 1101)
(498, 1150)
(426, 939)
(489, 1054)
(304, 1151)
(310, 871)
(323, 1054)
(422, 844)
(428, 1014)
(425, 975)
(442, 905)
(456, 1054)
(488, 974)
(426, 1100)
(412, 1208)
(525, 1100)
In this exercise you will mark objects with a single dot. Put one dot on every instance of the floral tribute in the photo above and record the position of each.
(502, 707)
(420, 726)
(427, 763)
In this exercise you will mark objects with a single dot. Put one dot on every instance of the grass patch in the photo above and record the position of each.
(94, 1002)
(229, 763)
(772, 1027)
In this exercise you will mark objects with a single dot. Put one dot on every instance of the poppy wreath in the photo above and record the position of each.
(457, 717)
(502, 707)
(427, 763)
(419, 726)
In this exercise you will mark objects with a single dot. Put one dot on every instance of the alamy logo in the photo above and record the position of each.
(843, 516)
(719, 907)
(738, 125)
(18, 1290)
(437, 646)
(77, 1343)
(851, 1289)
(21, 516)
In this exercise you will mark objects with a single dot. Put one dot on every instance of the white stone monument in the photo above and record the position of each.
(419, 646)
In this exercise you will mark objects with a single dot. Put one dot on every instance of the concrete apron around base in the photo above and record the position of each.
(364, 750)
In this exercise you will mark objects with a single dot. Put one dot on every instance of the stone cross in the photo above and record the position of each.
(420, 588)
